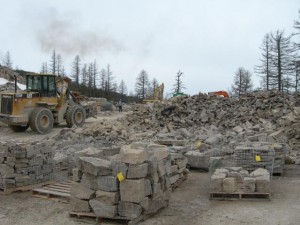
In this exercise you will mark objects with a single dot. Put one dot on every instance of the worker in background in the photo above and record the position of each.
(120, 105)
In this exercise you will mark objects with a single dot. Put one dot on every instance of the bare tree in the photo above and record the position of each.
(76, 70)
(95, 73)
(110, 84)
(84, 74)
(90, 78)
(122, 88)
(44, 68)
(59, 65)
(265, 68)
(103, 79)
(7, 60)
(142, 84)
(178, 86)
(242, 83)
(53, 63)
(283, 58)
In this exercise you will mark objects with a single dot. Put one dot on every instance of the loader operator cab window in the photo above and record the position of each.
(45, 85)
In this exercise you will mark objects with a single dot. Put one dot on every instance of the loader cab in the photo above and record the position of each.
(44, 84)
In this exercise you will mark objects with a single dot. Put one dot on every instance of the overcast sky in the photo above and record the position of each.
(206, 39)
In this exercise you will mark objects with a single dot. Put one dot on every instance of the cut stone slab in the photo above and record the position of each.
(197, 160)
(89, 181)
(249, 184)
(148, 187)
(107, 183)
(259, 172)
(137, 171)
(81, 192)
(132, 190)
(229, 185)
(216, 183)
(129, 210)
(161, 169)
(77, 174)
(78, 205)
(6, 170)
(174, 178)
(262, 184)
(102, 209)
(133, 156)
(95, 166)
(181, 162)
(111, 198)
(118, 167)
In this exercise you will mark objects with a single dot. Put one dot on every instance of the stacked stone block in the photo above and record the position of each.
(23, 164)
(233, 180)
(130, 185)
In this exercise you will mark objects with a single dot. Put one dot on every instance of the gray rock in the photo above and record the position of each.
(132, 190)
(102, 209)
(129, 210)
(95, 166)
(81, 192)
(137, 171)
(229, 185)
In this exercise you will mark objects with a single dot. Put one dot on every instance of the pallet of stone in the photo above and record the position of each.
(59, 191)
(239, 196)
(7, 191)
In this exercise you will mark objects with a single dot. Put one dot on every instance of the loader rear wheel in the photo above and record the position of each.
(75, 115)
(18, 128)
(41, 120)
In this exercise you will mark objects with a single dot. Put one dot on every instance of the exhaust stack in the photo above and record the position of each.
(15, 83)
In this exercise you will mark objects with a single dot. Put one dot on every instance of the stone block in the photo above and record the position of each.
(95, 166)
(6, 170)
(77, 205)
(262, 184)
(76, 174)
(110, 198)
(181, 162)
(102, 209)
(107, 183)
(197, 160)
(156, 205)
(145, 203)
(238, 177)
(9, 183)
(176, 156)
(137, 171)
(161, 169)
(118, 167)
(160, 152)
(133, 156)
(148, 187)
(216, 182)
(249, 184)
(259, 172)
(129, 210)
(168, 165)
(174, 178)
(229, 185)
(132, 190)
(81, 192)
(89, 181)
(174, 169)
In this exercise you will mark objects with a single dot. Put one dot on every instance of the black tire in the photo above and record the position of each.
(18, 128)
(41, 120)
(75, 115)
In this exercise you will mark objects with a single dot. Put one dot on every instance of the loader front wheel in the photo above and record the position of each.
(41, 120)
(75, 115)
(18, 128)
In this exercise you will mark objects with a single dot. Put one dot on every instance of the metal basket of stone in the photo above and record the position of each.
(247, 174)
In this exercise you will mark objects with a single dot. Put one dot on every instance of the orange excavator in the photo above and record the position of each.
(219, 93)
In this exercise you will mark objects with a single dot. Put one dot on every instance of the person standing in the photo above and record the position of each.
(120, 104)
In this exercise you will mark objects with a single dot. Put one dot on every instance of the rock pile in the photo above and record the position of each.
(238, 180)
(23, 164)
(129, 185)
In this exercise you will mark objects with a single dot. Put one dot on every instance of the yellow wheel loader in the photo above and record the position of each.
(45, 102)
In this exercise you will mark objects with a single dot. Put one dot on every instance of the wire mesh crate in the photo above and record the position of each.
(247, 173)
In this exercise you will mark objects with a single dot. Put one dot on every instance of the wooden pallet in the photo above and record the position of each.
(240, 196)
(91, 217)
(7, 191)
(59, 191)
